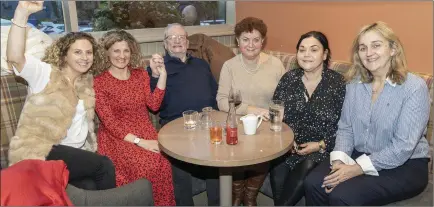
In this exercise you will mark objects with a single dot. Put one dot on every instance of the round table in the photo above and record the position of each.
(194, 146)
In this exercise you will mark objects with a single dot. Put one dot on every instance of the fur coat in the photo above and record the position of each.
(46, 117)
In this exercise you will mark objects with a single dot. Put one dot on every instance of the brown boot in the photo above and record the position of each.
(253, 184)
(237, 192)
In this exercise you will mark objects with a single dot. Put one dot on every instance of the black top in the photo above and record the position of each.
(315, 119)
(189, 86)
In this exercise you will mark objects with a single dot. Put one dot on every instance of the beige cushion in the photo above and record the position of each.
(36, 43)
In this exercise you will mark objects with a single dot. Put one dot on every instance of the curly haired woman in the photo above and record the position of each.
(57, 118)
(126, 134)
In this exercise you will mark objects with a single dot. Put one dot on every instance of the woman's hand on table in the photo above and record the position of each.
(151, 145)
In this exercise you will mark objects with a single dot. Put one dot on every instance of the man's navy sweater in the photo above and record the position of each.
(190, 86)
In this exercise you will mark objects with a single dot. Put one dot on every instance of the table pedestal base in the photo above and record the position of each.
(225, 187)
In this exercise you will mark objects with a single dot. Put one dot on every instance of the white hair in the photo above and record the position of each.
(166, 30)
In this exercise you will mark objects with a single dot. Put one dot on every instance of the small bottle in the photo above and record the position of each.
(231, 124)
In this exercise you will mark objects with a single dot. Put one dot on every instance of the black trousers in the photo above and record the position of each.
(85, 166)
(403, 182)
(182, 173)
(288, 185)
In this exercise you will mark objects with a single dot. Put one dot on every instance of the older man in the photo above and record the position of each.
(190, 86)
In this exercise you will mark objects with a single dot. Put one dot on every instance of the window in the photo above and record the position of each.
(61, 16)
(50, 20)
(105, 15)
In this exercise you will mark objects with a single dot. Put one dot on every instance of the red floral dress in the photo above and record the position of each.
(122, 106)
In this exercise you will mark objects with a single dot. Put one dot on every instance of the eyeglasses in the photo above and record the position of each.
(172, 38)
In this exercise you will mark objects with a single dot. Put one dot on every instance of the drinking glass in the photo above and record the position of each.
(235, 97)
(216, 132)
(206, 117)
(190, 119)
(276, 111)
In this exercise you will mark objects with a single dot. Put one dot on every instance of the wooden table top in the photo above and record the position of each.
(194, 146)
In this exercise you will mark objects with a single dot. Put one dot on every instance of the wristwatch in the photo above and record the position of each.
(321, 146)
(136, 140)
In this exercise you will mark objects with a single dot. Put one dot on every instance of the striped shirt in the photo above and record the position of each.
(389, 131)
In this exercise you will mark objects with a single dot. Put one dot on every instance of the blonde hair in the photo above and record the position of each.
(398, 64)
(56, 53)
(113, 36)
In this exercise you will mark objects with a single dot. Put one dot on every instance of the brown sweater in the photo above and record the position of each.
(257, 88)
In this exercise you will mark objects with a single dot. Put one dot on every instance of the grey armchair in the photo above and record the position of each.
(138, 193)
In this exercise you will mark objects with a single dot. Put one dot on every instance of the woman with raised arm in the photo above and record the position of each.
(57, 118)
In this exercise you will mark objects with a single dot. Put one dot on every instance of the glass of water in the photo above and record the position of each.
(205, 117)
(276, 115)
(190, 119)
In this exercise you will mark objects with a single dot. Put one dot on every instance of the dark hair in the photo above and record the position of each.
(248, 24)
(322, 39)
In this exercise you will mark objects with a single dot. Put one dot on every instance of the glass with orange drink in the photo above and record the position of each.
(216, 132)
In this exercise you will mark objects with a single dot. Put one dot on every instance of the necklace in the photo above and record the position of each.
(248, 69)
(375, 91)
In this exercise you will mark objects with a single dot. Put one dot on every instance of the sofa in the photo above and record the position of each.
(14, 92)
(289, 62)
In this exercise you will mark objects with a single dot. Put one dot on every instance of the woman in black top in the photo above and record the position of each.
(313, 96)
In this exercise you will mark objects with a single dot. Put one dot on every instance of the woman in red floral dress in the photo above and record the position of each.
(126, 134)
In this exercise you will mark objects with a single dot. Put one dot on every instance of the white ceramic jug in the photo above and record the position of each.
(251, 122)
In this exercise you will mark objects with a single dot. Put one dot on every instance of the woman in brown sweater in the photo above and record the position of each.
(256, 75)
